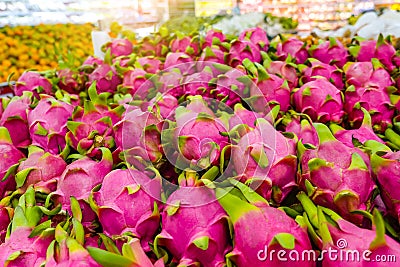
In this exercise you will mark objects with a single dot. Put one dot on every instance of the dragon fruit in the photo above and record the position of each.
(178, 60)
(156, 45)
(164, 104)
(185, 44)
(243, 116)
(9, 158)
(6, 214)
(317, 68)
(120, 47)
(113, 201)
(198, 83)
(259, 230)
(21, 247)
(139, 134)
(267, 162)
(48, 133)
(92, 62)
(149, 64)
(355, 246)
(274, 89)
(257, 36)
(194, 228)
(70, 81)
(79, 178)
(283, 69)
(330, 52)
(335, 175)
(211, 55)
(362, 134)
(320, 100)
(41, 169)
(105, 77)
(241, 50)
(134, 80)
(381, 50)
(195, 138)
(369, 87)
(303, 129)
(15, 119)
(294, 47)
(33, 82)
(91, 127)
(213, 37)
(386, 168)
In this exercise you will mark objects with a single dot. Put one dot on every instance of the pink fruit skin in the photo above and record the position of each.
(68, 80)
(41, 117)
(178, 60)
(5, 220)
(199, 215)
(9, 155)
(322, 102)
(134, 80)
(121, 47)
(116, 213)
(47, 168)
(32, 81)
(211, 35)
(371, 49)
(281, 169)
(256, 229)
(15, 119)
(33, 249)
(293, 46)
(243, 49)
(334, 54)
(285, 71)
(331, 73)
(182, 45)
(257, 36)
(106, 78)
(150, 64)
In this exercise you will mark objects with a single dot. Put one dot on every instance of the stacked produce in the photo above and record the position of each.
(42, 47)
(207, 150)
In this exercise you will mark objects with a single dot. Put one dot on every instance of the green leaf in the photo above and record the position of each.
(202, 242)
(109, 259)
(20, 177)
(10, 171)
(41, 130)
(76, 209)
(109, 244)
(286, 240)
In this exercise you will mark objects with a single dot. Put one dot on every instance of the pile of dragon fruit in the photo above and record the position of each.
(209, 150)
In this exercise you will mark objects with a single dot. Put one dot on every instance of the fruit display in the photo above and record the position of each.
(42, 47)
(205, 150)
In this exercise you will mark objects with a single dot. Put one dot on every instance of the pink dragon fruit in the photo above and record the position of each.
(198, 83)
(267, 162)
(212, 54)
(304, 131)
(156, 45)
(149, 64)
(381, 49)
(164, 105)
(195, 138)
(79, 178)
(354, 246)
(15, 119)
(320, 100)
(139, 134)
(241, 50)
(283, 69)
(335, 175)
(257, 36)
(185, 44)
(92, 62)
(33, 82)
(243, 116)
(213, 37)
(6, 215)
(317, 68)
(22, 247)
(70, 81)
(120, 47)
(48, 133)
(91, 127)
(178, 60)
(362, 134)
(274, 89)
(171, 82)
(41, 170)
(133, 80)
(294, 47)
(106, 78)
(9, 158)
(113, 201)
(259, 230)
(369, 88)
(232, 87)
(386, 169)
(194, 228)
(330, 52)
